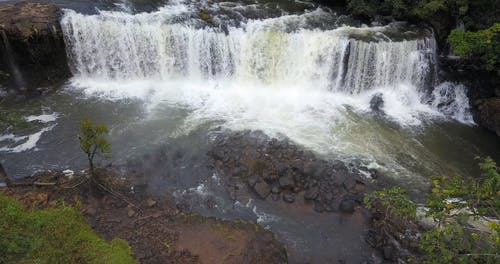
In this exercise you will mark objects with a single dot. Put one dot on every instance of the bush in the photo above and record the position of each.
(453, 203)
(483, 45)
(55, 235)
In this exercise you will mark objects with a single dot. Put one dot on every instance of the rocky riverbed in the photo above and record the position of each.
(279, 170)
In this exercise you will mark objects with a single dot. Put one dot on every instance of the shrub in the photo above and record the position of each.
(54, 235)
(453, 203)
(483, 44)
(93, 140)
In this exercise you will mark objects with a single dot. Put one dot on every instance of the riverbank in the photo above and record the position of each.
(155, 228)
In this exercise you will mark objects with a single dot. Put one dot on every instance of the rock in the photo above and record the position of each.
(275, 190)
(389, 253)
(262, 189)
(347, 206)
(319, 207)
(90, 211)
(286, 181)
(377, 102)
(312, 193)
(150, 202)
(32, 50)
(289, 198)
(130, 212)
(373, 173)
(252, 180)
(489, 114)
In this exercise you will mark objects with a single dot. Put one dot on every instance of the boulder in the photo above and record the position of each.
(289, 198)
(262, 189)
(32, 50)
(489, 114)
(347, 205)
(286, 181)
(377, 102)
(312, 193)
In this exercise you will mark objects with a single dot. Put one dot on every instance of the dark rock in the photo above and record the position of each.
(377, 102)
(350, 183)
(32, 50)
(319, 207)
(262, 189)
(347, 206)
(289, 198)
(389, 253)
(286, 181)
(252, 180)
(489, 114)
(373, 173)
(275, 197)
(312, 193)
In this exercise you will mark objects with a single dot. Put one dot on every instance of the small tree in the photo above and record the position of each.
(93, 140)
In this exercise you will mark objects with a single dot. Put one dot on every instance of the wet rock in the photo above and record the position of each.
(289, 198)
(373, 173)
(347, 206)
(150, 202)
(389, 253)
(489, 114)
(350, 183)
(130, 212)
(377, 102)
(319, 207)
(262, 189)
(312, 193)
(252, 180)
(275, 197)
(286, 181)
(32, 50)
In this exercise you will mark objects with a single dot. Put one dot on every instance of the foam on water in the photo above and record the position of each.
(280, 75)
(23, 143)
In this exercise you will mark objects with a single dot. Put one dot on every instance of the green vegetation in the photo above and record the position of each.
(394, 200)
(93, 140)
(453, 204)
(484, 45)
(54, 235)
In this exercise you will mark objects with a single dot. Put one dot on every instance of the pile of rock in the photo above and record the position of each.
(277, 169)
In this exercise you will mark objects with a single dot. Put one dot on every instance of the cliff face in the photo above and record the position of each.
(32, 52)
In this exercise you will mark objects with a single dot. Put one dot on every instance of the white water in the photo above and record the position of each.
(277, 75)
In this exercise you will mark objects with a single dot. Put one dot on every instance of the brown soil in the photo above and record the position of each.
(156, 230)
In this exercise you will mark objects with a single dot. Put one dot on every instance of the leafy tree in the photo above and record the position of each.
(93, 140)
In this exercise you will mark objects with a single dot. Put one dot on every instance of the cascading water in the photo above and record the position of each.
(167, 81)
(118, 46)
(283, 75)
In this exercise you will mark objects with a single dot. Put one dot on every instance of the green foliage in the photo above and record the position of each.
(395, 200)
(55, 235)
(93, 140)
(483, 44)
(453, 203)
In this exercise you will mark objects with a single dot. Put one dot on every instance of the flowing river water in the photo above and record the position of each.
(176, 73)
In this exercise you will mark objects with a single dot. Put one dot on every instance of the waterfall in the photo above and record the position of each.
(119, 46)
(283, 75)
(11, 62)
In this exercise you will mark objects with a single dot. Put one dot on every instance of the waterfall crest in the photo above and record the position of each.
(120, 46)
